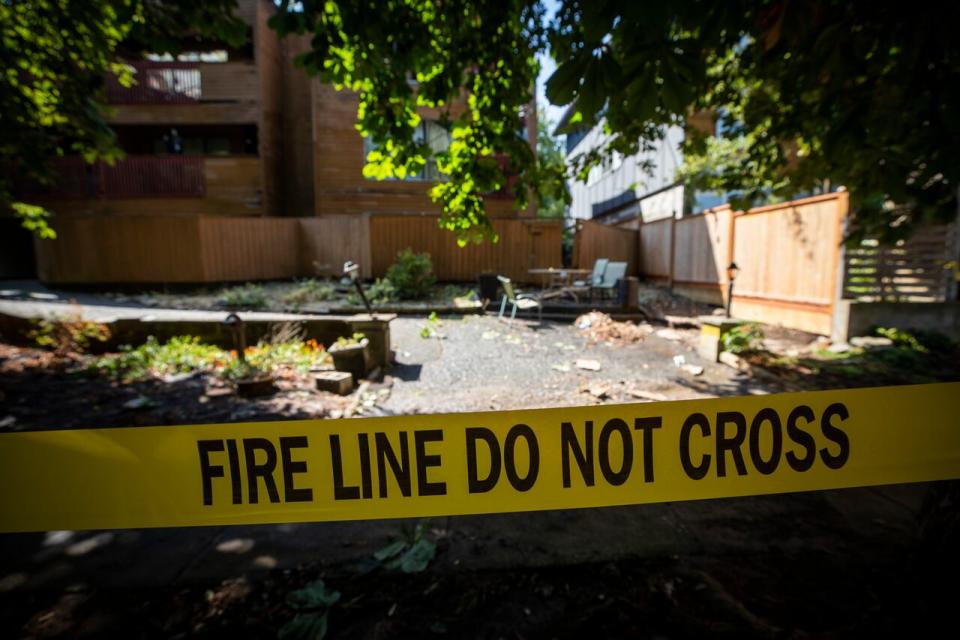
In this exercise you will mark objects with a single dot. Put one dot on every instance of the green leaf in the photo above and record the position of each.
(391, 550)
(563, 84)
(417, 557)
(305, 626)
(313, 596)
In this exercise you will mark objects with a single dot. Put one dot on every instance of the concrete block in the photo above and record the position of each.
(339, 382)
(712, 329)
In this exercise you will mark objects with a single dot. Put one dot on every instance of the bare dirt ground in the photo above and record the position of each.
(846, 563)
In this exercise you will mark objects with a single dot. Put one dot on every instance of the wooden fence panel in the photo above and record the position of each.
(654, 244)
(595, 240)
(327, 242)
(523, 245)
(789, 252)
(702, 247)
(105, 249)
(912, 270)
(235, 249)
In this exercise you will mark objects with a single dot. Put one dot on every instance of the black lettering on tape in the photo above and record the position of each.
(615, 478)
(366, 480)
(209, 471)
(400, 467)
(263, 470)
(766, 416)
(647, 425)
(694, 472)
(802, 438)
(340, 492)
(835, 435)
(475, 484)
(233, 457)
(291, 467)
(424, 462)
(509, 457)
(583, 455)
(731, 444)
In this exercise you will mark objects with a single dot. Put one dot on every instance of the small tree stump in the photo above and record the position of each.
(339, 382)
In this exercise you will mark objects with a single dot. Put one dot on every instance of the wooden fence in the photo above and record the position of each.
(787, 254)
(158, 249)
(913, 270)
(594, 240)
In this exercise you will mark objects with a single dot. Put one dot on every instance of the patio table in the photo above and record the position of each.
(556, 277)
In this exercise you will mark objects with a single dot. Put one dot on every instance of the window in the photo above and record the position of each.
(436, 137)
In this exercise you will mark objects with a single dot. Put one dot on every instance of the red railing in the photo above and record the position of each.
(132, 177)
(153, 176)
(158, 83)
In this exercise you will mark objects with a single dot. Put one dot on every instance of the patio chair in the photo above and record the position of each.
(599, 267)
(613, 273)
(519, 300)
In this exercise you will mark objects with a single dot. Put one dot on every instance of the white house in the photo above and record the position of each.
(621, 187)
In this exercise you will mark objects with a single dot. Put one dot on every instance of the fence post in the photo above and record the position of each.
(954, 277)
(731, 240)
(673, 248)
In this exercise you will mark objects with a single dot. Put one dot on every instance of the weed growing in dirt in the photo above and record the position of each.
(312, 603)
(381, 291)
(310, 290)
(412, 553)
(412, 275)
(186, 354)
(181, 354)
(743, 338)
(248, 296)
(67, 335)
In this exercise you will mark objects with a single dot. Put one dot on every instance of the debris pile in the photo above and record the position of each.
(599, 327)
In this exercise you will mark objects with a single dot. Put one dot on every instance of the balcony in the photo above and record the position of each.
(133, 177)
(158, 83)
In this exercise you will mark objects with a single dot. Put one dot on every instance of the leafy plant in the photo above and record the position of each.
(310, 290)
(429, 330)
(67, 335)
(350, 341)
(180, 354)
(743, 338)
(380, 292)
(312, 605)
(917, 340)
(412, 275)
(247, 296)
(410, 554)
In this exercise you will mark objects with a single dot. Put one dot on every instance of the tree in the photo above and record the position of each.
(862, 94)
(56, 55)
(553, 193)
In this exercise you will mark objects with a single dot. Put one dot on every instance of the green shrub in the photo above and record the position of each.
(412, 275)
(181, 354)
(67, 335)
(310, 290)
(917, 340)
(248, 296)
(743, 338)
(380, 292)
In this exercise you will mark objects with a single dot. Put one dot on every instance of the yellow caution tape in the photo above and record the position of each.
(470, 463)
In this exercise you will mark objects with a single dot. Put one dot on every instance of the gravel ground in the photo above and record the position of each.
(482, 364)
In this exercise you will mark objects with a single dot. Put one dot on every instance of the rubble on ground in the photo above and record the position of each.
(599, 327)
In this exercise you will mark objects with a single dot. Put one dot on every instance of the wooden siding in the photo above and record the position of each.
(339, 184)
(232, 188)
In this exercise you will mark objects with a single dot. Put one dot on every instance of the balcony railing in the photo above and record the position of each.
(158, 83)
(132, 177)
